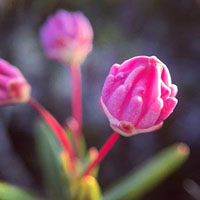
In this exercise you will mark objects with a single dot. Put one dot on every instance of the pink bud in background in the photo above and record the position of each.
(138, 95)
(67, 37)
(13, 86)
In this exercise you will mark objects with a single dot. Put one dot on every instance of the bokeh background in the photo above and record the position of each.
(123, 29)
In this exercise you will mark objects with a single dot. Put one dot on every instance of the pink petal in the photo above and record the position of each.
(151, 116)
(8, 71)
(133, 77)
(4, 81)
(151, 97)
(108, 88)
(114, 69)
(168, 107)
(165, 76)
(132, 111)
(174, 90)
(115, 101)
(165, 90)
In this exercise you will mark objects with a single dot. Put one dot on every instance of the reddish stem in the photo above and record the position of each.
(57, 129)
(76, 99)
(102, 153)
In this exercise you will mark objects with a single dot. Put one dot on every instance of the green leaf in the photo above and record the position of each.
(49, 151)
(83, 148)
(150, 174)
(11, 192)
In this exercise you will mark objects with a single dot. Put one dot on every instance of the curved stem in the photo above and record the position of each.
(57, 129)
(102, 153)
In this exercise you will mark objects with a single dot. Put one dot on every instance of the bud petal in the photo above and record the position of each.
(67, 37)
(13, 86)
(138, 95)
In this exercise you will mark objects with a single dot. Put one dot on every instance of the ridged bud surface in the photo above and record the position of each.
(138, 95)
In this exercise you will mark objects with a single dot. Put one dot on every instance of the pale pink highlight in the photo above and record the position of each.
(138, 95)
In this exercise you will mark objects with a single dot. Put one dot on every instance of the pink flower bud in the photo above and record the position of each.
(138, 95)
(67, 37)
(13, 86)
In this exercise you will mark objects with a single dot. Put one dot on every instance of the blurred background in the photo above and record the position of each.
(167, 29)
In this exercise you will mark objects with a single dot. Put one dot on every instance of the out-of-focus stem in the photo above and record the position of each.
(57, 129)
(102, 153)
(76, 100)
